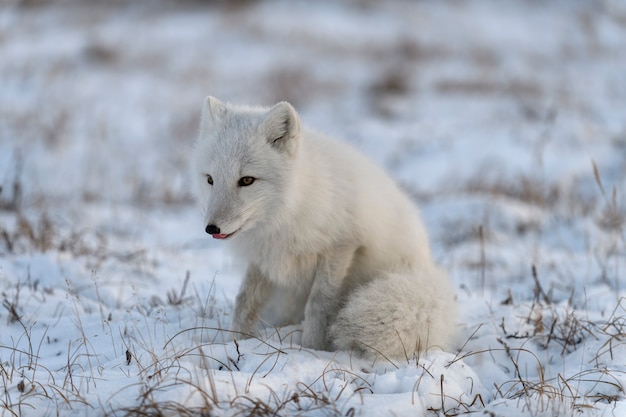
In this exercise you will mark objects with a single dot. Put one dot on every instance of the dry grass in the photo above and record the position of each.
(560, 394)
(513, 87)
(543, 323)
(552, 326)
(526, 189)
(40, 234)
(296, 84)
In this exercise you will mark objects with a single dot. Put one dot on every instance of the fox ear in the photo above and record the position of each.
(281, 127)
(212, 112)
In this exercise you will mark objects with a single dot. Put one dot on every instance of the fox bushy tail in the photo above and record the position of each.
(397, 315)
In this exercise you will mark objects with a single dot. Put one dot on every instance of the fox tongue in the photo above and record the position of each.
(219, 235)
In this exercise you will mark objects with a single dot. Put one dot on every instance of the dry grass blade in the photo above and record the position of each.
(596, 175)
(179, 299)
(218, 329)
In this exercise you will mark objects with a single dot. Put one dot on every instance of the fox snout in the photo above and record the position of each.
(215, 231)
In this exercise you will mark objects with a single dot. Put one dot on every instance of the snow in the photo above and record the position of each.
(494, 116)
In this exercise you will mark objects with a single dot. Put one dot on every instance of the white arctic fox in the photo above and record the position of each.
(324, 227)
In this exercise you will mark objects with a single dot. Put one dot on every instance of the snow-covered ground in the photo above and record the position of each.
(505, 120)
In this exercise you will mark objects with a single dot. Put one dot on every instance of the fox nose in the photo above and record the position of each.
(212, 229)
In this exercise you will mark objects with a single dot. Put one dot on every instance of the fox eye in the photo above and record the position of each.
(245, 181)
(209, 179)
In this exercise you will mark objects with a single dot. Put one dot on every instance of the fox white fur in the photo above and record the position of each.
(320, 224)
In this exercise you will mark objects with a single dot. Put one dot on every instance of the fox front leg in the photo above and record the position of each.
(253, 293)
(323, 299)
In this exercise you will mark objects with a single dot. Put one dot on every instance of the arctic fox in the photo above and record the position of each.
(323, 226)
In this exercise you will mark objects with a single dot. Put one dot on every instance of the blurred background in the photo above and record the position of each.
(101, 100)
(490, 114)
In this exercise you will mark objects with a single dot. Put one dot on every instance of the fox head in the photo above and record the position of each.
(244, 162)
